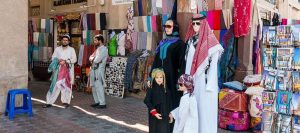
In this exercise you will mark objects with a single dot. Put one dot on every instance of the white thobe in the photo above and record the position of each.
(97, 76)
(206, 93)
(189, 59)
(186, 115)
(68, 54)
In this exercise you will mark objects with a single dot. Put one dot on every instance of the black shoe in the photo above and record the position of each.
(47, 106)
(101, 107)
(94, 105)
(66, 105)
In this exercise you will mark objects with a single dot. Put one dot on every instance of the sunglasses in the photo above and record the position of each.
(168, 26)
(195, 23)
(181, 84)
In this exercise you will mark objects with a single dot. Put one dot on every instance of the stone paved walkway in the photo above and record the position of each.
(122, 115)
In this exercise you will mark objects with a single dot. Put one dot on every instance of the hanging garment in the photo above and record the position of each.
(183, 24)
(43, 25)
(153, 24)
(218, 4)
(35, 53)
(159, 23)
(144, 19)
(136, 24)
(242, 12)
(41, 40)
(154, 8)
(80, 56)
(103, 22)
(112, 46)
(130, 29)
(130, 67)
(97, 21)
(148, 20)
(85, 56)
(229, 58)
(134, 40)
(149, 41)
(51, 26)
(36, 38)
(121, 44)
(142, 40)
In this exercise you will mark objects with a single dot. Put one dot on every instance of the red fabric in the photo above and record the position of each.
(64, 73)
(233, 100)
(153, 113)
(206, 41)
(93, 21)
(217, 19)
(284, 21)
(210, 19)
(242, 12)
(85, 55)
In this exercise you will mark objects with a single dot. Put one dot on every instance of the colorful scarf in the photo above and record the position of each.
(242, 12)
(53, 67)
(64, 73)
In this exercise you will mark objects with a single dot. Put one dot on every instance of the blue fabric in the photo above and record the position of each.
(30, 52)
(235, 85)
(130, 67)
(165, 41)
(47, 25)
(164, 18)
(53, 67)
(149, 29)
(140, 7)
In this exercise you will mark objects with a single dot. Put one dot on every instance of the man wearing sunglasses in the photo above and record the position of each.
(201, 58)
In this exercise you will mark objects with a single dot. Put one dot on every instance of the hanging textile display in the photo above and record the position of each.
(114, 77)
(229, 60)
(93, 21)
(130, 29)
(242, 12)
(130, 67)
(40, 35)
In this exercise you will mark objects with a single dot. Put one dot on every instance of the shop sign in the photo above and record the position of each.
(120, 2)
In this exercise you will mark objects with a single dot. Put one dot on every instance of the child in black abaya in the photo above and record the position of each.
(158, 104)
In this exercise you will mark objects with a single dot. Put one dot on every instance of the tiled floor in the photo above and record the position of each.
(121, 116)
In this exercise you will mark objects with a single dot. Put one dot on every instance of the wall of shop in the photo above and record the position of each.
(13, 55)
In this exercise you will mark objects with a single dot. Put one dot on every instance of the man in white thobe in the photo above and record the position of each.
(63, 80)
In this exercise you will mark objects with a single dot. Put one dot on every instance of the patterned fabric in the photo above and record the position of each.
(114, 76)
(234, 121)
(206, 41)
(130, 29)
(187, 81)
(130, 67)
(256, 124)
(233, 100)
(242, 12)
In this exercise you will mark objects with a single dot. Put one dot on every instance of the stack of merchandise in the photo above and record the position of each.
(255, 101)
(233, 113)
(281, 79)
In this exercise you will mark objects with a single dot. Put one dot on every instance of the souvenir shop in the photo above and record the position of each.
(266, 101)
